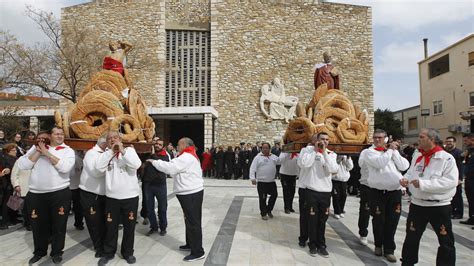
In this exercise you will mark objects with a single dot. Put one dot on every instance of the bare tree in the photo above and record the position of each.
(61, 66)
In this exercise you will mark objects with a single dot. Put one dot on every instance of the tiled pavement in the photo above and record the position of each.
(234, 234)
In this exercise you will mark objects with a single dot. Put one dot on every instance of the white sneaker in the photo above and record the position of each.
(342, 215)
(337, 216)
(363, 241)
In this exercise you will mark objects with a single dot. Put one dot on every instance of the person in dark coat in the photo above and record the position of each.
(457, 204)
(219, 160)
(245, 157)
(237, 166)
(6, 165)
(276, 149)
(229, 162)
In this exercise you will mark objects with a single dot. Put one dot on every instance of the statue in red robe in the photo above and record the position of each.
(326, 73)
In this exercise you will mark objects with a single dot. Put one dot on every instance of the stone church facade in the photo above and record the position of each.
(208, 59)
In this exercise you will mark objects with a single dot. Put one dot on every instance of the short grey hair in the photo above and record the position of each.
(102, 139)
(188, 141)
(380, 131)
(433, 134)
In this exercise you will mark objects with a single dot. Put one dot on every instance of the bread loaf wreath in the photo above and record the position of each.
(130, 120)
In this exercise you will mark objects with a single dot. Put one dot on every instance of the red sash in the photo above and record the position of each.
(191, 150)
(112, 64)
(380, 149)
(427, 155)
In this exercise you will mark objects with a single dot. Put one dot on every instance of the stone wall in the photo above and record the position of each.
(139, 22)
(252, 42)
(255, 41)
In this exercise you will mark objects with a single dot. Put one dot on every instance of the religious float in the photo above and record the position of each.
(329, 111)
(108, 102)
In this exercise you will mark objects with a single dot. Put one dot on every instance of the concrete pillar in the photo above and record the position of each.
(34, 124)
(208, 131)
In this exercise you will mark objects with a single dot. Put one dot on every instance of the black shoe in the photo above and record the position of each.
(323, 252)
(291, 210)
(313, 252)
(98, 254)
(3, 227)
(302, 244)
(287, 211)
(454, 217)
(270, 215)
(192, 257)
(104, 260)
(151, 232)
(185, 247)
(79, 227)
(162, 232)
(57, 259)
(35, 259)
(131, 259)
(28, 228)
(468, 222)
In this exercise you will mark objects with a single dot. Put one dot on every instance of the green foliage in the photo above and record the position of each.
(385, 120)
(11, 122)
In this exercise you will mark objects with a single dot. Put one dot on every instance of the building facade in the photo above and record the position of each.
(207, 60)
(447, 88)
(411, 123)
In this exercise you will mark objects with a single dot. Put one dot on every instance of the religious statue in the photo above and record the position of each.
(280, 105)
(326, 73)
(116, 60)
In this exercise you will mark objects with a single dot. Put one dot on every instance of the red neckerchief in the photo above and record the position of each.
(427, 155)
(112, 64)
(267, 155)
(57, 148)
(320, 150)
(293, 155)
(380, 149)
(161, 153)
(191, 150)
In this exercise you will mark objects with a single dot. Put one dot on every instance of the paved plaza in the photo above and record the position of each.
(234, 234)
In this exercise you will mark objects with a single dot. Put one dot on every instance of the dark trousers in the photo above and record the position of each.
(76, 207)
(440, 220)
(49, 213)
(245, 171)
(237, 171)
(469, 189)
(144, 209)
(364, 210)
(339, 196)
(385, 208)
(158, 192)
(24, 211)
(7, 213)
(288, 184)
(457, 203)
(93, 207)
(303, 209)
(265, 189)
(192, 210)
(120, 211)
(318, 212)
(206, 173)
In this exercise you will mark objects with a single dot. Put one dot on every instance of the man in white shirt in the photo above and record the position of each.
(49, 197)
(121, 190)
(339, 185)
(92, 186)
(385, 196)
(432, 179)
(262, 173)
(288, 171)
(317, 165)
(185, 169)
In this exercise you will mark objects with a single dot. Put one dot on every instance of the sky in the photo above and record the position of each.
(399, 27)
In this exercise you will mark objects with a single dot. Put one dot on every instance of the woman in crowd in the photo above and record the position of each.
(206, 163)
(237, 166)
(229, 162)
(6, 165)
(20, 146)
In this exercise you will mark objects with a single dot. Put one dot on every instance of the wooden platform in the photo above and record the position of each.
(86, 144)
(339, 148)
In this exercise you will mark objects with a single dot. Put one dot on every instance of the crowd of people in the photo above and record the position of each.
(101, 187)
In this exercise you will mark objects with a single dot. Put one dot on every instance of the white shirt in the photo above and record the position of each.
(46, 177)
(186, 172)
(384, 168)
(343, 168)
(92, 180)
(20, 178)
(364, 169)
(316, 169)
(289, 166)
(263, 168)
(121, 181)
(438, 181)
